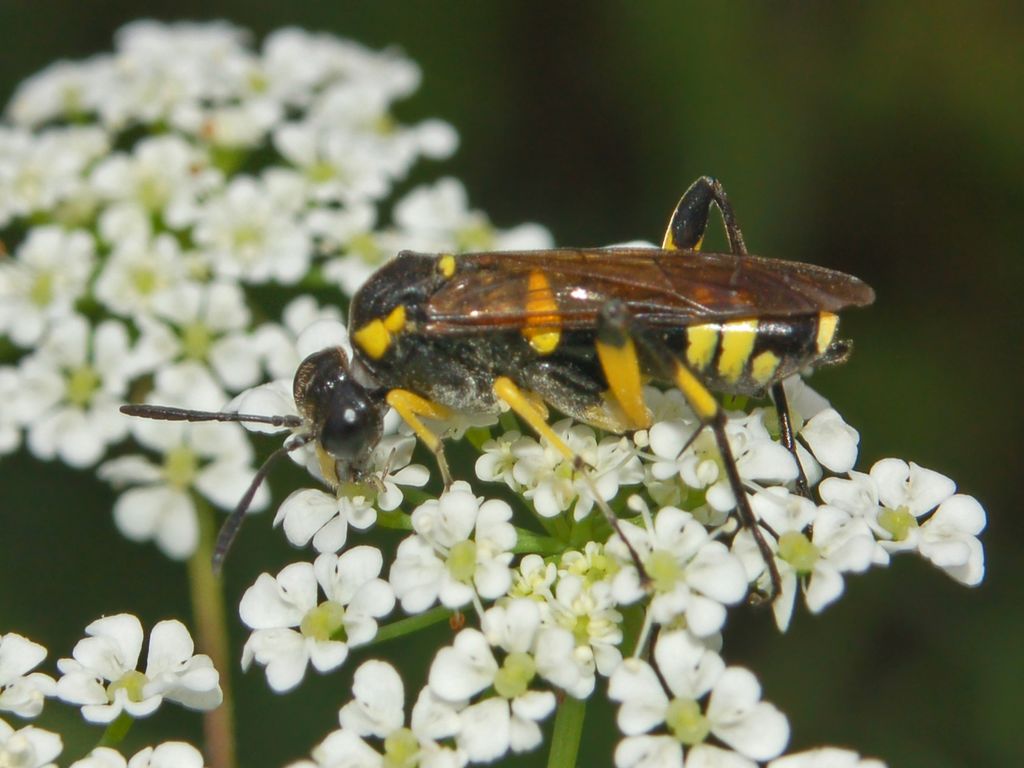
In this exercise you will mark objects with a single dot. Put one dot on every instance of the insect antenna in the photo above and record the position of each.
(169, 413)
(229, 530)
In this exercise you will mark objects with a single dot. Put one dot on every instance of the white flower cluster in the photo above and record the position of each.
(551, 623)
(145, 192)
(103, 680)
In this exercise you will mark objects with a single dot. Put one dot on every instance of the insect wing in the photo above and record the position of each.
(660, 288)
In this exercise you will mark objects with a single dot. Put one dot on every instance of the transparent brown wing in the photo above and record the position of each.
(661, 288)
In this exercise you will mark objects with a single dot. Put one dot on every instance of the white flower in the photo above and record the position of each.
(170, 754)
(553, 484)
(323, 518)
(214, 460)
(690, 573)
(350, 232)
(377, 712)
(163, 174)
(208, 326)
(837, 543)
(461, 548)
(910, 487)
(142, 276)
(757, 456)
(44, 172)
(704, 698)
(71, 389)
(28, 747)
(10, 429)
(832, 441)
(22, 691)
(102, 676)
(339, 165)
(826, 757)
(441, 213)
(587, 610)
(41, 284)
(949, 539)
(534, 578)
(355, 598)
(509, 720)
(251, 232)
(277, 343)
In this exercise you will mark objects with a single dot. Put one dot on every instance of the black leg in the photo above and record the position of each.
(690, 219)
(788, 436)
(704, 404)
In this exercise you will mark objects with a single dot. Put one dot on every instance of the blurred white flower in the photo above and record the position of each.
(213, 460)
(70, 390)
(40, 286)
(28, 747)
(23, 691)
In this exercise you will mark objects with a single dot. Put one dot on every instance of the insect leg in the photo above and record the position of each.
(690, 219)
(621, 366)
(788, 436)
(509, 392)
(711, 415)
(410, 407)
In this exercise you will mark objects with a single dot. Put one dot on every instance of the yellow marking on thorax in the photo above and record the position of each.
(446, 265)
(737, 343)
(376, 336)
(395, 321)
(542, 325)
(701, 341)
(763, 367)
(827, 323)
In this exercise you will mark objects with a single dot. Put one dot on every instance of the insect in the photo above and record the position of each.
(580, 330)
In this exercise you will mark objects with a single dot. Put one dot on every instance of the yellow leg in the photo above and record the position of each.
(506, 390)
(622, 370)
(411, 407)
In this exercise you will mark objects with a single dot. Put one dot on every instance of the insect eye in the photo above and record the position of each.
(353, 423)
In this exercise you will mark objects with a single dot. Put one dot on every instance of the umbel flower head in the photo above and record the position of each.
(151, 199)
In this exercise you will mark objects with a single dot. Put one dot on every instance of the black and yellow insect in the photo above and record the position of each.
(580, 330)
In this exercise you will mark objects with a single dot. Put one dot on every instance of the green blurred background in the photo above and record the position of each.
(884, 139)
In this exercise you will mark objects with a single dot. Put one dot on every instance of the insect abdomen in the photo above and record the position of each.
(748, 356)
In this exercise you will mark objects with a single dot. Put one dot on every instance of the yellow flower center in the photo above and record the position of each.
(196, 340)
(131, 683)
(81, 384)
(898, 522)
(797, 550)
(462, 561)
(401, 749)
(42, 290)
(687, 722)
(513, 679)
(663, 569)
(180, 466)
(325, 622)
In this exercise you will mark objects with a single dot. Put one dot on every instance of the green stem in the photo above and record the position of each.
(411, 624)
(116, 731)
(212, 634)
(565, 739)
